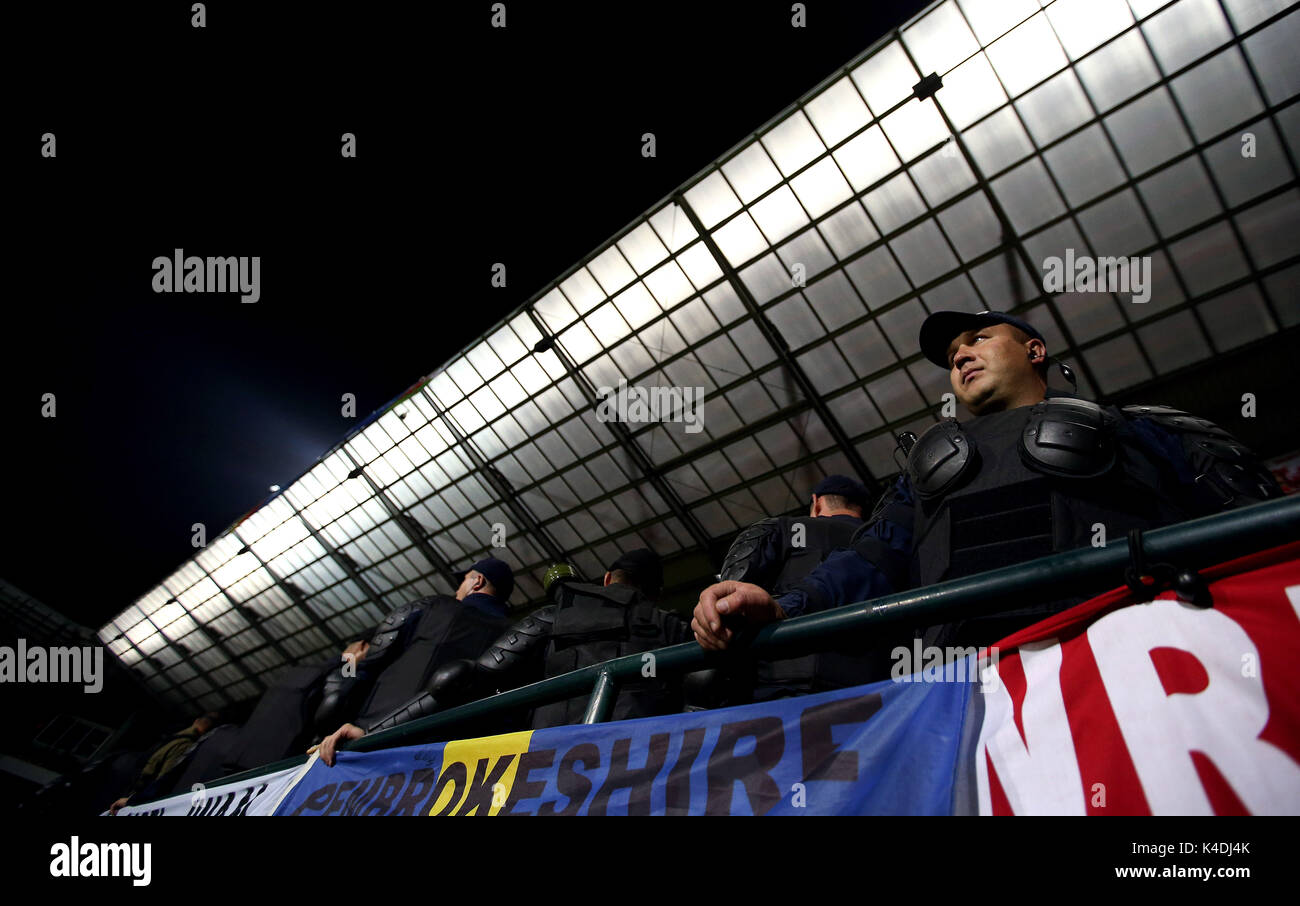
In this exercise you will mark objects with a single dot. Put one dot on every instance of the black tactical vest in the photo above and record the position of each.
(801, 543)
(820, 536)
(344, 693)
(596, 623)
(447, 630)
(814, 672)
(1015, 485)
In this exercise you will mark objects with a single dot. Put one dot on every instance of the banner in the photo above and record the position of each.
(833, 753)
(1157, 708)
(1112, 707)
(258, 796)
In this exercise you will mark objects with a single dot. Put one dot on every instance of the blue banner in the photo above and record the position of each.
(887, 748)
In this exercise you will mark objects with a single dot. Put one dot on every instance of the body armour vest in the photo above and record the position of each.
(1012, 486)
(593, 624)
(802, 542)
(447, 630)
(821, 535)
(344, 692)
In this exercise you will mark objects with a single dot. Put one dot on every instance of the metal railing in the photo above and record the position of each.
(1191, 545)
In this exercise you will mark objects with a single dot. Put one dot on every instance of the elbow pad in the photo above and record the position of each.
(420, 706)
(516, 644)
(454, 682)
(390, 636)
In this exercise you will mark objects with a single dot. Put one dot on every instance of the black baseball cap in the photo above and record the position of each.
(643, 567)
(495, 571)
(938, 330)
(843, 486)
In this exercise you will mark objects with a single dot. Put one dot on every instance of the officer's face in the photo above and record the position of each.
(990, 368)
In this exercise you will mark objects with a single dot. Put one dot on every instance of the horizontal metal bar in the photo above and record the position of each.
(1194, 544)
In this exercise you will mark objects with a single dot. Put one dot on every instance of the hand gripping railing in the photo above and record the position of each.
(1191, 545)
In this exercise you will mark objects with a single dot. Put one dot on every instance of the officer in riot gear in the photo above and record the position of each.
(483, 589)
(1035, 472)
(433, 632)
(583, 624)
(349, 681)
(596, 623)
(776, 554)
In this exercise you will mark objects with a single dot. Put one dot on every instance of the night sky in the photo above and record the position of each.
(474, 146)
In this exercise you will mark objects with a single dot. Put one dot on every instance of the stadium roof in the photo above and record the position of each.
(789, 280)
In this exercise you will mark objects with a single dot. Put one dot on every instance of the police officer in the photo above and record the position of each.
(165, 758)
(446, 630)
(1034, 472)
(592, 623)
(348, 682)
(775, 554)
(585, 624)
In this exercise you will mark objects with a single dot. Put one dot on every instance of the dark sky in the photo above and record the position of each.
(475, 146)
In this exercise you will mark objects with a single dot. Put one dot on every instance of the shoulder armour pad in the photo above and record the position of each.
(1069, 437)
(739, 562)
(387, 632)
(940, 458)
(1177, 420)
(1224, 467)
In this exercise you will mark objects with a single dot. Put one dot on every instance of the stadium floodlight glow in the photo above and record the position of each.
(274, 488)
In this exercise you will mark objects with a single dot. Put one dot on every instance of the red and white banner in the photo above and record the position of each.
(1154, 708)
